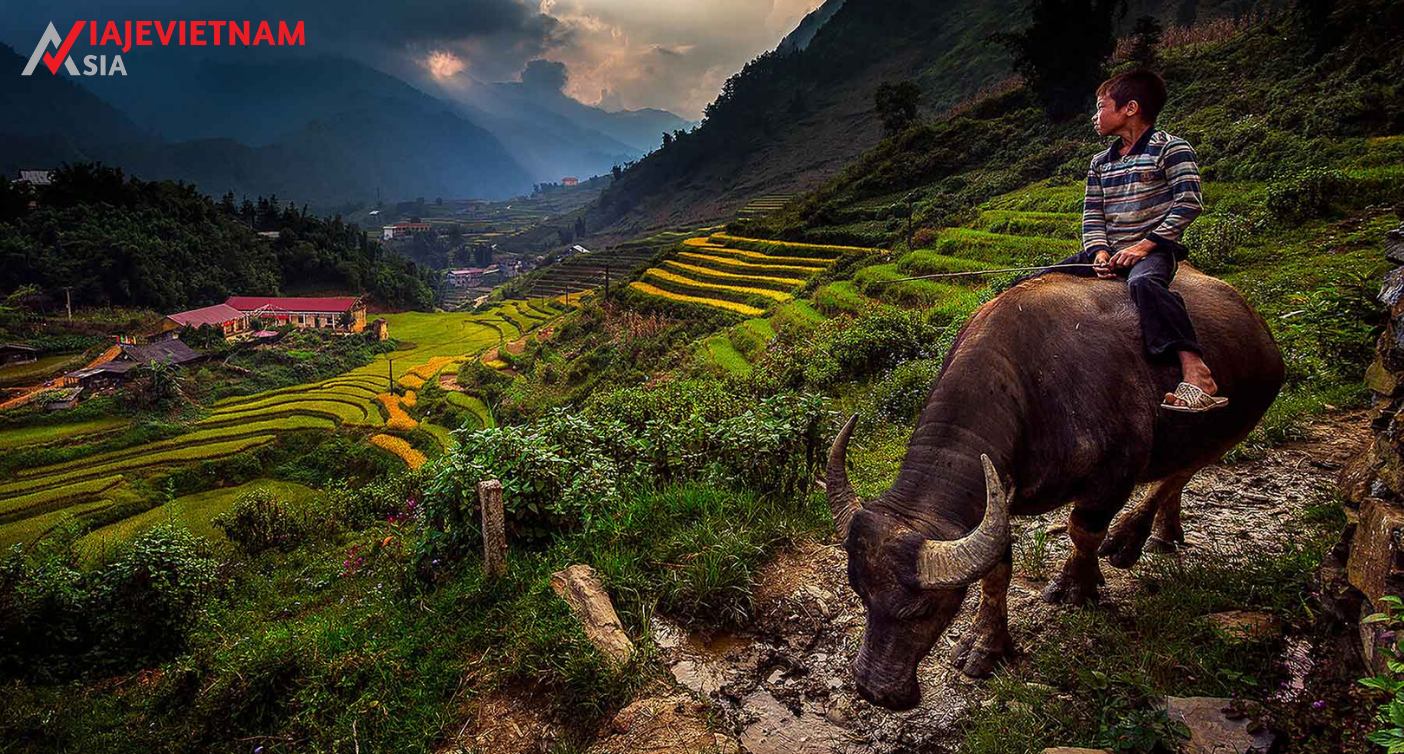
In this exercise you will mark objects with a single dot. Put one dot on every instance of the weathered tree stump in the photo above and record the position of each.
(494, 527)
(581, 589)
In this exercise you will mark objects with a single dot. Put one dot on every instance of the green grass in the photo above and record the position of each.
(474, 405)
(34, 503)
(751, 337)
(139, 462)
(839, 297)
(1001, 249)
(194, 512)
(440, 435)
(43, 434)
(38, 370)
(718, 350)
(361, 412)
(1049, 224)
(926, 262)
(1043, 196)
(796, 316)
(1156, 643)
(304, 651)
(876, 280)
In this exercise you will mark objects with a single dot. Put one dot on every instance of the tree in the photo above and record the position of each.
(616, 171)
(1145, 41)
(1061, 53)
(667, 140)
(896, 104)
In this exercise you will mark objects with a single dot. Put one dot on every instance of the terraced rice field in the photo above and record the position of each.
(745, 276)
(195, 512)
(35, 498)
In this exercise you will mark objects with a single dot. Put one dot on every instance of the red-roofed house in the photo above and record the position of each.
(330, 312)
(223, 316)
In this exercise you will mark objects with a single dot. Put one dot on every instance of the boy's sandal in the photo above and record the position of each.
(1196, 401)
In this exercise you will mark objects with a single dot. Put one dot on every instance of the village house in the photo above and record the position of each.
(403, 230)
(17, 353)
(346, 313)
(129, 357)
(227, 319)
(570, 180)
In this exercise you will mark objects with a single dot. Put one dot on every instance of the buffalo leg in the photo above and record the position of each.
(1081, 575)
(987, 641)
(1167, 535)
(1127, 540)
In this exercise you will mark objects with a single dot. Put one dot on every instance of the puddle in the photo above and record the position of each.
(777, 730)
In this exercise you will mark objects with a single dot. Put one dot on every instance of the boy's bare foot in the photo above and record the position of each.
(1196, 373)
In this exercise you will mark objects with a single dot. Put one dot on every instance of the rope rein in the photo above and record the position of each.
(988, 272)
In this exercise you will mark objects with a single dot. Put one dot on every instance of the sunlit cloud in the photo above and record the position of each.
(443, 64)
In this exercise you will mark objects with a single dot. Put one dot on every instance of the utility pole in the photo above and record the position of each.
(391, 374)
(910, 199)
(68, 300)
(606, 281)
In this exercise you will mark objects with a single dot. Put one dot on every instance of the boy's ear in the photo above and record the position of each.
(1133, 108)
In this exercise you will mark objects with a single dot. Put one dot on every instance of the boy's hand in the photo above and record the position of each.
(1102, 265)
(1129, 256)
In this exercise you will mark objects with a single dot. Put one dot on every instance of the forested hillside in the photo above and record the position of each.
(792, 118)
(117, 240)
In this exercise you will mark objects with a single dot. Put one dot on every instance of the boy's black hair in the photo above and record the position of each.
(1144, 86)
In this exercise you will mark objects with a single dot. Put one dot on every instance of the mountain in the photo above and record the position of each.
(322, 130)
(793, 117)
(804, 32)
(555, 135)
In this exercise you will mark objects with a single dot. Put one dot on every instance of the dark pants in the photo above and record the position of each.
(1165, 324)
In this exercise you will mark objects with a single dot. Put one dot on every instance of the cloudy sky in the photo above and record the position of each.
(671, 54)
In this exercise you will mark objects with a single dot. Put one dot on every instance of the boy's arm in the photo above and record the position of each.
(1094, 222)
(1182, 173)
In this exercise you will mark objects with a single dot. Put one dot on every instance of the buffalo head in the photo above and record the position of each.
(911, 586)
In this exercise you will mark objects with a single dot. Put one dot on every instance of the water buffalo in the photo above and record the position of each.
(1048, 384)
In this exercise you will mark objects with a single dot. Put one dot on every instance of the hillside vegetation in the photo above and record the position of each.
(667, 433)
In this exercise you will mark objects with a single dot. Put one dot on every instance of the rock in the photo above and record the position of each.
(1376, 565)
(1244, 625)
(672, 724)
(1214, 726)
(1379, 379)
(1394, 245)
(581, 589)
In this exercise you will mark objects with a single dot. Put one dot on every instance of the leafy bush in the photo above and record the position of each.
(1305, 195)
(903, 391)
(58, 620)
(1213, 239)
(1331, 330)
(845, 348)
(563, 470)
(259, 521)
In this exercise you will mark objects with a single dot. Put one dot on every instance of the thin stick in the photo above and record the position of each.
(987, 272)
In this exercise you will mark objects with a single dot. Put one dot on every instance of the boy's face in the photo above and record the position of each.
(1109, 119)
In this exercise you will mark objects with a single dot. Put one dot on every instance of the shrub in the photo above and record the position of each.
(1212, 240)
(902, 393)
(147, 599)
(565, 470)
(259, 521)
(57, 620)
(1305, 195)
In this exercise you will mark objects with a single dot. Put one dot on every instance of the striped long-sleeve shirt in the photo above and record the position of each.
(1152, 192)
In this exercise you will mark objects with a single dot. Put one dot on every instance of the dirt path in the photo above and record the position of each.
(783, 685)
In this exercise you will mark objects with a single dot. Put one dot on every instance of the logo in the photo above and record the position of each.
(56, 51)
(52, 61)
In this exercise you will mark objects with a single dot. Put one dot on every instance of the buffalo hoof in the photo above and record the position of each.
(1122, 548)
(977, 655)
(1162, 546)
(1070, 590)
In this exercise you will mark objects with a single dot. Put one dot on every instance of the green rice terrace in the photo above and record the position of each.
(374, 402)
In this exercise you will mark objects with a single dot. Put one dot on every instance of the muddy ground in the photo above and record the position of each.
(782, 683)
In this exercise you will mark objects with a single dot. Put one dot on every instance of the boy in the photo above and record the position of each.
(1142, 192)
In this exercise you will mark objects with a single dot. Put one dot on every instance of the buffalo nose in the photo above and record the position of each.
(898, 700)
